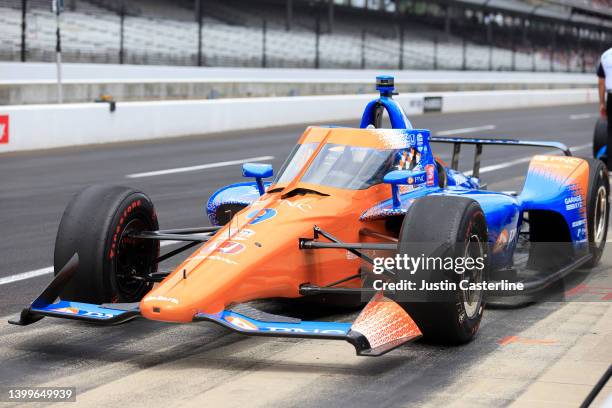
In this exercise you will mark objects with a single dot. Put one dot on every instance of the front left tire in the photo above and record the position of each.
(96, 225)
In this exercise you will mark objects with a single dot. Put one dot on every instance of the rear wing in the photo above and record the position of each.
(458, 141)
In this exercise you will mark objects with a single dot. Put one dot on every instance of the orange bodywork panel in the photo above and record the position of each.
(256, 255)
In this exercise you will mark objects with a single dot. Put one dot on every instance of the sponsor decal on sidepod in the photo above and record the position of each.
(261, 215)
(244, 234)
(230, 248)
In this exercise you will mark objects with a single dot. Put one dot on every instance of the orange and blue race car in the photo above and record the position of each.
(344, 199)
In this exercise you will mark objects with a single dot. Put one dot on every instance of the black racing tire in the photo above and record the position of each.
(447, 220)
(442, 176)
(598, 209)
(95, 225)
(600, 136)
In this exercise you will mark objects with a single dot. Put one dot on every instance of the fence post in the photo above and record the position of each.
(435, 53)
(489, 24)
(58, 53)
(582, 66)
(289, 16)
(401, 47)
(121, 33)
(568, 53)
(363, 58)
(330, 16)
(447, 22)
(199, 13)
(464, 55)
(551, 55)
(317, 38)
(552, 49)
(264, 32)
(24, 12)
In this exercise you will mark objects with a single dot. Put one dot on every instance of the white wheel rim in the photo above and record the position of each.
(472, 299)
(599, 217)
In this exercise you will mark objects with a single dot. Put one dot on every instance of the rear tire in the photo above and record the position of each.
(600, 137)
(95, 225)
(598, 209)
(432, 221)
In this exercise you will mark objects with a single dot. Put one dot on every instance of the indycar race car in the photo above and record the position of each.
(343, 198)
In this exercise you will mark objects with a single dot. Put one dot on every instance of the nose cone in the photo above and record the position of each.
(166, 308)
(256, 257)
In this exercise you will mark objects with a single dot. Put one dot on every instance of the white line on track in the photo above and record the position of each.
(580, 116)
(44, 271)
(26, 275)
(49, 269)
(464, 130)
(199, 167)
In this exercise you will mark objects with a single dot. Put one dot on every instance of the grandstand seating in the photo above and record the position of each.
(90, 33)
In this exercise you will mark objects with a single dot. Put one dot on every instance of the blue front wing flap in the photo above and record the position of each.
(105, 314)
(246, 325)
(84, 311)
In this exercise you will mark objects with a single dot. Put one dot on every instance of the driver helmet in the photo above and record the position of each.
(407, 159)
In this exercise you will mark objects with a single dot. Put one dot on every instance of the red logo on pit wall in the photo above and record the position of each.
(4, 129)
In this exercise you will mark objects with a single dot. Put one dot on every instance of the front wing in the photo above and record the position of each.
(380, 327)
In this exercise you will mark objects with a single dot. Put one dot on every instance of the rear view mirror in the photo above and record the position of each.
(403, 177)
(259, 171)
